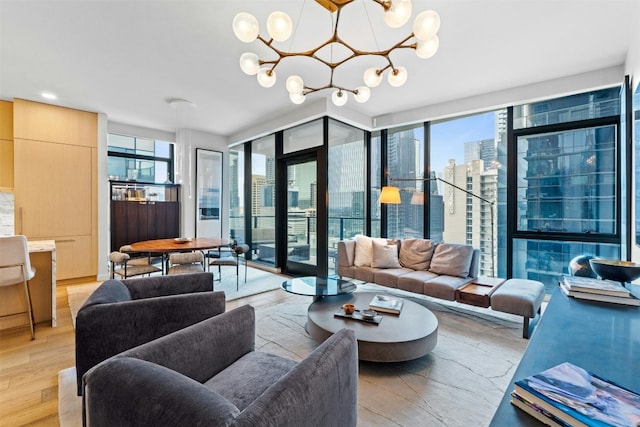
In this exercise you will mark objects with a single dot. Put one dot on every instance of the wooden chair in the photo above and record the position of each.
(15, 269)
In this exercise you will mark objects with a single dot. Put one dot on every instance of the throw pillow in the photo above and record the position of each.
(416, 254)
(363, 251)
(385, 255)
(452, 259)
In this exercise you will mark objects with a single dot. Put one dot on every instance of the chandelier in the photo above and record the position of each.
(423, 40)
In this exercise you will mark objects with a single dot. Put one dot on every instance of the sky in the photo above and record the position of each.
(448, 138)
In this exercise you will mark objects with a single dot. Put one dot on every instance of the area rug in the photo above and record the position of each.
(460, 383)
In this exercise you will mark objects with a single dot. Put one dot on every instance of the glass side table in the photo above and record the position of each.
(318, 287)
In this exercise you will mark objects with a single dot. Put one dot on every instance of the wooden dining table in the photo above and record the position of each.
(166, 246)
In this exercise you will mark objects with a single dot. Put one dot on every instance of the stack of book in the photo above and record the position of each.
(568, 395)
(386, 304)
(598, 290)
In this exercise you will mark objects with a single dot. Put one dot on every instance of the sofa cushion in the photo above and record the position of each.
(246, 379)
(109, 292)
(444, 287)
(364, 250)
(389, 276)
(385, 255)
(414, 281)
(451, 259)
(416, 254)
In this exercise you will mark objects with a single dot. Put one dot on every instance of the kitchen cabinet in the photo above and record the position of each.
(6, 145)
(55, 183)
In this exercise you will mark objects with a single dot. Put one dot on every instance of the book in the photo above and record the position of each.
(596, 286)
(545, 417)
(580, 398)
(631, 300)
(386, 304)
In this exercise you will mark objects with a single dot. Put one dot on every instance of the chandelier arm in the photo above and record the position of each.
(386, 5)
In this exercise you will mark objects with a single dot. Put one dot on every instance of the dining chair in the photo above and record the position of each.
(189, 262)
(233, 258)
(15, 269)
(124, 266)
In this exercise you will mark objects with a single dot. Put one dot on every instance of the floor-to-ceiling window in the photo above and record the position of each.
(139, 159)
(405, 161)
(236, 194)
(263, 199)
(346, 186)
(566, 193)
(464, 200)
(375, 178)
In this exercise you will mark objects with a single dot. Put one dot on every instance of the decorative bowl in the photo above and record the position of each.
(612, 269)
(368, 314)
(182, 239)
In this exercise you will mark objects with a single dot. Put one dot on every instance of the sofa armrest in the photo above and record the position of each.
(132, 392)
(346, 253)
(202, 350)
(157, 286)
(104, 330)
(322, 390)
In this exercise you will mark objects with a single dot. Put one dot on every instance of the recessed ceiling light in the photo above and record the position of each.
(48, 95)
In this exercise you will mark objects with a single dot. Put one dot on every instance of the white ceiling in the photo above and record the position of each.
(127, 58)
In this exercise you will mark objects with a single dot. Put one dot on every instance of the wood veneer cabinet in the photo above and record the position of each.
(6, 145)
(135, 219)
(55, 182)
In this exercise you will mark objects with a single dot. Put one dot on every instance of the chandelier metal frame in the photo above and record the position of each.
(397, 12)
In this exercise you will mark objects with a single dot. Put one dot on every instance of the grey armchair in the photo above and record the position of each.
(210, 374)
(122, 314)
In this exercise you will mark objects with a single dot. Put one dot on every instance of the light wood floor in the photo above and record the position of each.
(29, 369)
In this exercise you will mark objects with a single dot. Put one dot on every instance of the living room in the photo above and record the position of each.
(229, 110)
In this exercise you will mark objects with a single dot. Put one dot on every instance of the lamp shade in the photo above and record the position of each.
(362, 94)
(339, 97)
(417, 198)
(245, 27)
(279, 26)
(266, 77)
(398, 14)
(427, 48)
(397, 77)
(426, 24)
(372, 77)
(249, 63)
(390, 195)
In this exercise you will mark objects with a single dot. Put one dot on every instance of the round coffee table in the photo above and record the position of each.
(398, 338)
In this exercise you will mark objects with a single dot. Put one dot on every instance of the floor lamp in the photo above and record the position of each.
(390, 194)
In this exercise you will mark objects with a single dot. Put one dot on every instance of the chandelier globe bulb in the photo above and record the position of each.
(398, 14)
(279, 26)
(427, 48)
(397, 77)
(294, 84)
(362, 94)
(372, 77)
(245, 27)
(297, 98)
(339, 97)
(249, 63)
(266, 77)
(426, 24)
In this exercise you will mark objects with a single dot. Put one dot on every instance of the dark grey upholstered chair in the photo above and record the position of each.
(120, 315)
(210, 374)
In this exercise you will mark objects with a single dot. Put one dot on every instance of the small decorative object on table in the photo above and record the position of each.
(182, 239)
(386, 304)
(613, 269)
(369, 317)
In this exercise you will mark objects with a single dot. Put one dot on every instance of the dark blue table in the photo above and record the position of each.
(600, 337)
